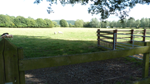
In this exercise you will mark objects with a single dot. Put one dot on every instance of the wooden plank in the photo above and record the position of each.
(108, 32)
(105, 34)
(2, 77)
(145, 63)
(105, 41)
(36, 63)
(142, 81)
(98, 37)
(108, 37)
(21, 73)
(11, 63)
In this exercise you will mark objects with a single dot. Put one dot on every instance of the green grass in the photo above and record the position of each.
(42, 42)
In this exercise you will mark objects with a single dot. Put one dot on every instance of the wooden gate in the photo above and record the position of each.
(9, 63)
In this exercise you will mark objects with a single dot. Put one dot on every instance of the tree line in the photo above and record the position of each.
(21, 22)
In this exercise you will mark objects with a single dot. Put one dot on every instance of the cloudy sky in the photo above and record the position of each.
(27, 9)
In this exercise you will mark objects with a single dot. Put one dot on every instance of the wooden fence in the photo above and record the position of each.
(13, 65)
(102, 36)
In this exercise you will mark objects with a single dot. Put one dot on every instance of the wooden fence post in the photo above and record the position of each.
(11, 63)
(98, 37)
(114, 39)
(21, 73)
(146, 62)
(2, 75)
(131, 38)
(144, 34)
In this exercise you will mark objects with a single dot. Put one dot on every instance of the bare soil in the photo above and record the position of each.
(113, 71)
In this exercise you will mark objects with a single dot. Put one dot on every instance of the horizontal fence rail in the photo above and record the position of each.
(35, 63)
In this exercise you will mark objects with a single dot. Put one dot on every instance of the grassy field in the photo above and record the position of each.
(42, 42)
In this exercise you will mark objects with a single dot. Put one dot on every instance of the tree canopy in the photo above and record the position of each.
(103, 7)
(63, 23)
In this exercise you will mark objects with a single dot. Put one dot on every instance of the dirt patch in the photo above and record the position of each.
(113, 71)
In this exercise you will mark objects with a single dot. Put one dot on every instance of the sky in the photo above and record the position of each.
(26, 8)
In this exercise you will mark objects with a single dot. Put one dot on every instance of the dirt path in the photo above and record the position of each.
(114, 71)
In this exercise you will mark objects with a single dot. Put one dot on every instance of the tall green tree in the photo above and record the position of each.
(86, 24)
(137, 23)
(40, 23)
(49, 23)
(63, 23)
(31, 22)
(55, 24)
(79, 23)
(95, 23)
(143, 23)
(147, 22)
(5, 21)
(20, 21)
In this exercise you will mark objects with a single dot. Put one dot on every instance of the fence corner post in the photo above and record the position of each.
(98, 37)
(145, 63)
(114, 39)
(2, 75)
(131, 38)
(144, 34)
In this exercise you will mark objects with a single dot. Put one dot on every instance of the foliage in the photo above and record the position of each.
(95, 23)
(40, 23)
(78, 23)
(69, 21)
(31, 22)
(63, 23)
(21, 22)
(49, 23)
(86, 24)
(55, 24)
(5, 21)
(70, 25)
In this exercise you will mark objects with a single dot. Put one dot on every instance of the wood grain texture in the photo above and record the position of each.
(2, 77)
(21, 73)
(146, 63)
(11, 63)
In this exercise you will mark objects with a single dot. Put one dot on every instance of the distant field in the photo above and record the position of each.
(42, 42)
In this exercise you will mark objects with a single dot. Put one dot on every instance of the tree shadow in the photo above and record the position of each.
(39, 46)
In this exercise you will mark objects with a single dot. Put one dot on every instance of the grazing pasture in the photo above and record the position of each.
(38, 42)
